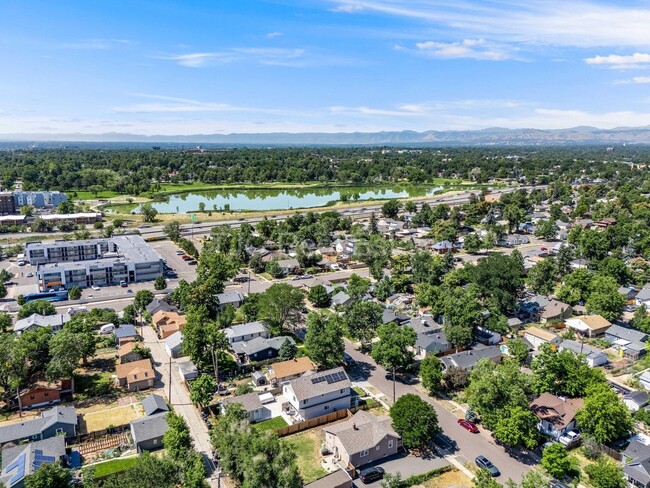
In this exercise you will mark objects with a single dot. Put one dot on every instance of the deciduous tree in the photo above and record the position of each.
(414, 420)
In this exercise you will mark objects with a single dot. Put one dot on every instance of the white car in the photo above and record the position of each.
(569, 439)
(30, 274)
(95, 287)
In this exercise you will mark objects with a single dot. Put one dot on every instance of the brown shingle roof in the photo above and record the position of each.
(291, 367)
(555, 410)
(135, 370)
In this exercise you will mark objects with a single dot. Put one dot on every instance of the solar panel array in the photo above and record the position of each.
(330, 378)
(39, 459)
(19, 466)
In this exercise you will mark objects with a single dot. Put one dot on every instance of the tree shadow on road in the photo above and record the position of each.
(445, 442)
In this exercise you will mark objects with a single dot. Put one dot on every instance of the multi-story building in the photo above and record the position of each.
(7, 205)
(38, 199)
(91, 262)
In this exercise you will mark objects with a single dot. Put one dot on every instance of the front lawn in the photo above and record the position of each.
(271, 424)
(307, 447)
(112, 417)
(114, 466)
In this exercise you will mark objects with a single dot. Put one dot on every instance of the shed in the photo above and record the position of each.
(258, 378)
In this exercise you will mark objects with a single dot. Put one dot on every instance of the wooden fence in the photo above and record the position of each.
(97, 434)
(315, 422)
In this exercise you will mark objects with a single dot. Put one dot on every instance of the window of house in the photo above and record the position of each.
(47, 393)
(31, 397)
(363, 453)
(342, 391)
(390, 444)
(304, 402)
(59, 431)
(155, 441)
(135, 376)
(377, 448)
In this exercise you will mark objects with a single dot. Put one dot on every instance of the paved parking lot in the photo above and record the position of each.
(406, 466)
(167, 249)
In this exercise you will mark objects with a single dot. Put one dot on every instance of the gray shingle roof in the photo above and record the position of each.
(248, 328)
(468, 359)
(54, 321)
(432, 342)
(54, 448)
(29, 428)
(644, 294)
(309, 386)
(341, 298)
(157, 305)
(639, 471)
(588, 351)
(125, 330)
(147, 428)
(153, 404)
(626, 333)
(363, 431)
(229, 297)
(638, 397)
(259, 344)
(424, 324)
(250, 401)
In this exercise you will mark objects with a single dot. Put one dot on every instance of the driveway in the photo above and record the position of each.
(180, 397)
(459, 442)
(405, 465)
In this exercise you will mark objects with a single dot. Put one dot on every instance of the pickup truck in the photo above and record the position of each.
(569, 439)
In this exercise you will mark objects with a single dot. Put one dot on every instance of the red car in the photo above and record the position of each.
(466, 424)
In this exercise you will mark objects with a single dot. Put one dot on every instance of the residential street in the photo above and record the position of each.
(180, 397)
(463, 444)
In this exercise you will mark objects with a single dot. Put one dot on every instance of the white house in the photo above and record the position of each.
(247, 331)
(320, 393)
(173, 344)
(594, 357)
(643, 297)
(537, 337)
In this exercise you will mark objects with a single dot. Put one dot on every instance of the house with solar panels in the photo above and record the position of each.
(21, 461)
(320, 393)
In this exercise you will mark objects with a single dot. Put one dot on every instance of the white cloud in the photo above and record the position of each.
(581, 23)
(635, 80)
(167, 104)
(273, 35)
(97, 44)
(198, 60)
(617, 61)
(469, 48)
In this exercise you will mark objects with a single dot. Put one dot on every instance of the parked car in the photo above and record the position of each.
(483, 462)
(467, 425)
(369, 475)
(30, 274)
(348, 360)
(95, 287)
(9, 283)
(569, 439)
(107, 329)
(180, 253)
(123, 284)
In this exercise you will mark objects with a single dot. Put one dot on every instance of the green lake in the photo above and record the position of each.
(280, 199)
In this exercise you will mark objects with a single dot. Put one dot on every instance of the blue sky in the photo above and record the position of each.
(220, 66)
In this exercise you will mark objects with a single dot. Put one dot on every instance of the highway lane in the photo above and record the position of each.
(465, 444)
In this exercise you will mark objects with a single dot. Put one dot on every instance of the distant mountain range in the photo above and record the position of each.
(491, 136)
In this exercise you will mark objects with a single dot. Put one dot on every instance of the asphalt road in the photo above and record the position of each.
(456, 439)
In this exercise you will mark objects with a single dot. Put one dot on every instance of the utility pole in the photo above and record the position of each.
(393, 385)
(169, 394)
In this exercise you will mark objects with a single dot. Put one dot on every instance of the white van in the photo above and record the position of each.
(107, 329)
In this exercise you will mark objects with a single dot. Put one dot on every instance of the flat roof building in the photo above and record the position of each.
(90, 262)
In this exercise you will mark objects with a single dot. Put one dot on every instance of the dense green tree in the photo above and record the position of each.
(274, 269)
(484, 479)
(472, 243)
(517, 427)
(546, 229)
(142, 299)
(5, 322)
(160, 283)
(604, 298)
(615, 268)
(147, 471)
(431, 373)
(49, 475)
(177, 439)
(66, 349)
(172, 230)
(129, 314)
(498, 279)
(202, 390)
(394, 350)
(555, 460)
(604, 416)
(319, 297)
(562, 373)
(496, 389)
(74, 293)
(288, 350)
(541, 277)
(148, 212)
(414, 420)
(518, 349)
(605, 473)
(358, 287)
(375, 253)
(40, 307)
(391, 208)
(363, 319)
(324, 339)
(462, 311)
(279, 305)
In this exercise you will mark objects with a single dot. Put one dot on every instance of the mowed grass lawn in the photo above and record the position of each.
(271, 424)
(114, 466)
(453, 478)
(113, 416)
(307, 447)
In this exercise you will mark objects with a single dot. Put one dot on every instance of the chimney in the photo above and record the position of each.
(354, 426)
